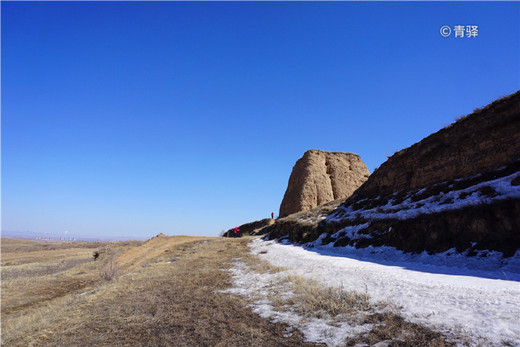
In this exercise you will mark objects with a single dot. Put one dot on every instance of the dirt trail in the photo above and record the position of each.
(169, 294)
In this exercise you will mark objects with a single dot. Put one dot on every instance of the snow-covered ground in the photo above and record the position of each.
(474, 297)
(260, 286)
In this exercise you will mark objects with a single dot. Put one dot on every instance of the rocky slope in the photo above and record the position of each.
(253, 228)
(319, 177)
(458, 189)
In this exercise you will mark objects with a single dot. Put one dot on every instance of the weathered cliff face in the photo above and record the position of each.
(319, 177)
(485, 140)
(457, 189)
(475, 214)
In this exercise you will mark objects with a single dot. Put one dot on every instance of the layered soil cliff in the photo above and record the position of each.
(319, 177)
(456, 190)
(484, 140)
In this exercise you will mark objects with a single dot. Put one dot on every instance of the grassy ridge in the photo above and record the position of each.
(166, 292)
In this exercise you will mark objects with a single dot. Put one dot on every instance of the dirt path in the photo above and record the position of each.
(172, 298)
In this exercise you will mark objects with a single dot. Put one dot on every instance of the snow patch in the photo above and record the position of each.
(258, 287)
(449, 292)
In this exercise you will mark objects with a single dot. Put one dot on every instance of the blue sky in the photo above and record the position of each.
(133, 118)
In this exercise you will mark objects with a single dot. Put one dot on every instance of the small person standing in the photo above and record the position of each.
(272, 215)
(235, 231)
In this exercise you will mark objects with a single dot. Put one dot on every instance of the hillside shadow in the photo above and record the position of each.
(491, 267)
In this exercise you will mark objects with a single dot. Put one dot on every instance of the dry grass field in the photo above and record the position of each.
(163, 292)
(167, 291)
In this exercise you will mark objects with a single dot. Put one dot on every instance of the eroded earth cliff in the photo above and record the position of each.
(456, 190)
(319, 177)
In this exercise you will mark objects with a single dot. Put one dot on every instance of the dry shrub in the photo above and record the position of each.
(109, 270)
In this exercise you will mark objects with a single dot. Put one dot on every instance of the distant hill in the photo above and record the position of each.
(38, 236)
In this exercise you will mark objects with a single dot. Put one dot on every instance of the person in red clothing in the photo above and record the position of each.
(235, 232)
(272, 215)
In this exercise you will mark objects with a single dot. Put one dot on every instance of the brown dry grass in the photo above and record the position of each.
(17, 245)
(164, 292)
(155, 249)
(34, 273)
(168, 295)
(16, 252)
(312, 299)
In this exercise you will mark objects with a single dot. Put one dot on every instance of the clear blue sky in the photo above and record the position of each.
(132, 118)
